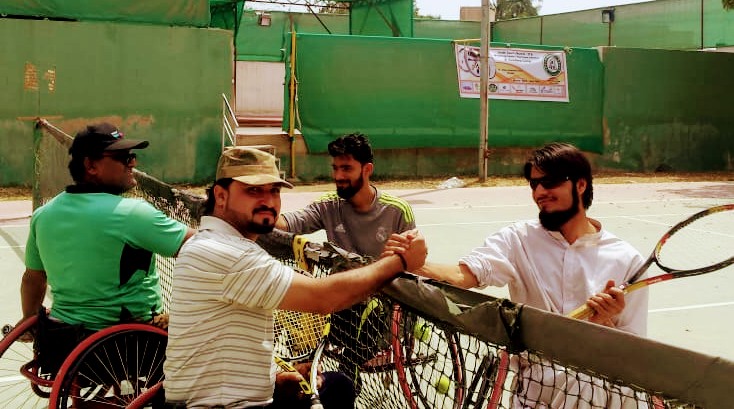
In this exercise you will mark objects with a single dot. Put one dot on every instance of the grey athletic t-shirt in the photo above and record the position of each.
(361, 233)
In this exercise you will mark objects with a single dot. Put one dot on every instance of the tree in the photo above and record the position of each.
(728, 4)
(332, 7)
(340, 7)
(507, 9)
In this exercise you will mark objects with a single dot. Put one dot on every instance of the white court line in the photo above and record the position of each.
(466, 223)
(12, 247)
(635, 218)
(596, 204)
(693, 307)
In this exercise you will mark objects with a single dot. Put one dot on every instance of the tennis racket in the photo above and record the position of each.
(301, 336)
(698, 245)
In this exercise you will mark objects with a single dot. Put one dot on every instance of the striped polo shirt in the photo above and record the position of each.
(220, 336)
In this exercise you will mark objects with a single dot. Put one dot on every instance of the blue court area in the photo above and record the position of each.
(689, 313)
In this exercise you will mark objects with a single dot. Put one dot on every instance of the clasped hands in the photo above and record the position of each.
(411, 245)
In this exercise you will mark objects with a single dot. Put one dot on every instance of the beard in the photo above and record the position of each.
(266, 226)
(247, 224)
(553, 221)
(349, 191)
(259, 228)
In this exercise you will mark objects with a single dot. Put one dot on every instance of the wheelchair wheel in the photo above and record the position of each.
(148, 399)
(17, 359)
(429, 362)
(111, 368)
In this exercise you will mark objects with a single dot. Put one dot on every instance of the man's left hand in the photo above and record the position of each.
(607, 305)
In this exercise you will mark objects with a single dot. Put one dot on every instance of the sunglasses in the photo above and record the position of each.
(548, 182)
(124, 158)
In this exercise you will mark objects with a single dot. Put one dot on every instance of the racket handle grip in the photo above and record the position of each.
(316, 403)
(581, 312)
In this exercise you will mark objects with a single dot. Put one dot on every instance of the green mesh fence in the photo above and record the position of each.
(423, 28)
(255, 42)
(403, 93)
(683, 126)
(580, 29)
(391, 18)
(669, 24)
(165, 12)
(659, 24)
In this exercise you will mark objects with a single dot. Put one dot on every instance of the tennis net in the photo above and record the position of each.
(424, 344)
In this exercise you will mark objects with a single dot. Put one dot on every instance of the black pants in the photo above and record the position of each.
(54, 341)
(336, 392)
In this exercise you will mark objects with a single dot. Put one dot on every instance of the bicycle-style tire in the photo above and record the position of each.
(111, 367)
(21, 386)
(418, 375)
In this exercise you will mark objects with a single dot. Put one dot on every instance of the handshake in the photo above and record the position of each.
(410, 246)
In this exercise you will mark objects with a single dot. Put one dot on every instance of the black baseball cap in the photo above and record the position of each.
(101, 137)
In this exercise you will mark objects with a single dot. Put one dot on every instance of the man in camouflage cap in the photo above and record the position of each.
(226, 287)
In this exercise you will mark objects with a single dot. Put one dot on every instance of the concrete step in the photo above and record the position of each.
(262, 135)
(259, 121)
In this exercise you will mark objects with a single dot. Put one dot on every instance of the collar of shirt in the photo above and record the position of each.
(218, 225)
(89, 188)
(587, 240)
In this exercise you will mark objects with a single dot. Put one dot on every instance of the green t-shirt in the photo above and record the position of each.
(97, 250)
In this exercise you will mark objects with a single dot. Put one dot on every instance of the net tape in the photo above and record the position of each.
(424, 344)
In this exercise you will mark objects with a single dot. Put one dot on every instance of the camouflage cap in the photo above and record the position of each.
(249, 165)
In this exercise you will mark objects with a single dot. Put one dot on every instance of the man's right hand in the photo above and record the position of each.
(411, 245)
(27, 336)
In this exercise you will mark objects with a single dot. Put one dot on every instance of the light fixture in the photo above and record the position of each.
(263, 19)
(607, 16)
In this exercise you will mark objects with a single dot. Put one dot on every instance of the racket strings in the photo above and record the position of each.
(704, 242)
(297, 333)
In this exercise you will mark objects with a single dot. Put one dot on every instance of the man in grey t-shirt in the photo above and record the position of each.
(359, 218)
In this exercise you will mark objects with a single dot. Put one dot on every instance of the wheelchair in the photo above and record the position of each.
(107, 369)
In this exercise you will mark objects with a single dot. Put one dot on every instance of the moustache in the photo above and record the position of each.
(266, 209)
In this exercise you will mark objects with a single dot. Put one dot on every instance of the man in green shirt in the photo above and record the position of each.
(94, 248)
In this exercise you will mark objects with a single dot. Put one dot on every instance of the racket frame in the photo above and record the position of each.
(635, 283)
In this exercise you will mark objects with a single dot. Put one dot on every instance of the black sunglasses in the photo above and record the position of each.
(124, 158)
(548, 182)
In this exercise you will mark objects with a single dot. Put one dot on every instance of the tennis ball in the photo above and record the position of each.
(422, 331)
(443, 384)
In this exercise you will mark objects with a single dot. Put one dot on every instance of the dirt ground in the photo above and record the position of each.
(24, 193)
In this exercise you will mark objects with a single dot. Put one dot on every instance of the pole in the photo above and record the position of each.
(483, 97)
(292, 100)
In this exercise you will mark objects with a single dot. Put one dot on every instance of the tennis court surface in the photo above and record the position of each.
(685, 313)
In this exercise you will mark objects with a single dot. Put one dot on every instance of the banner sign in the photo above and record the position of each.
(514, 73)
